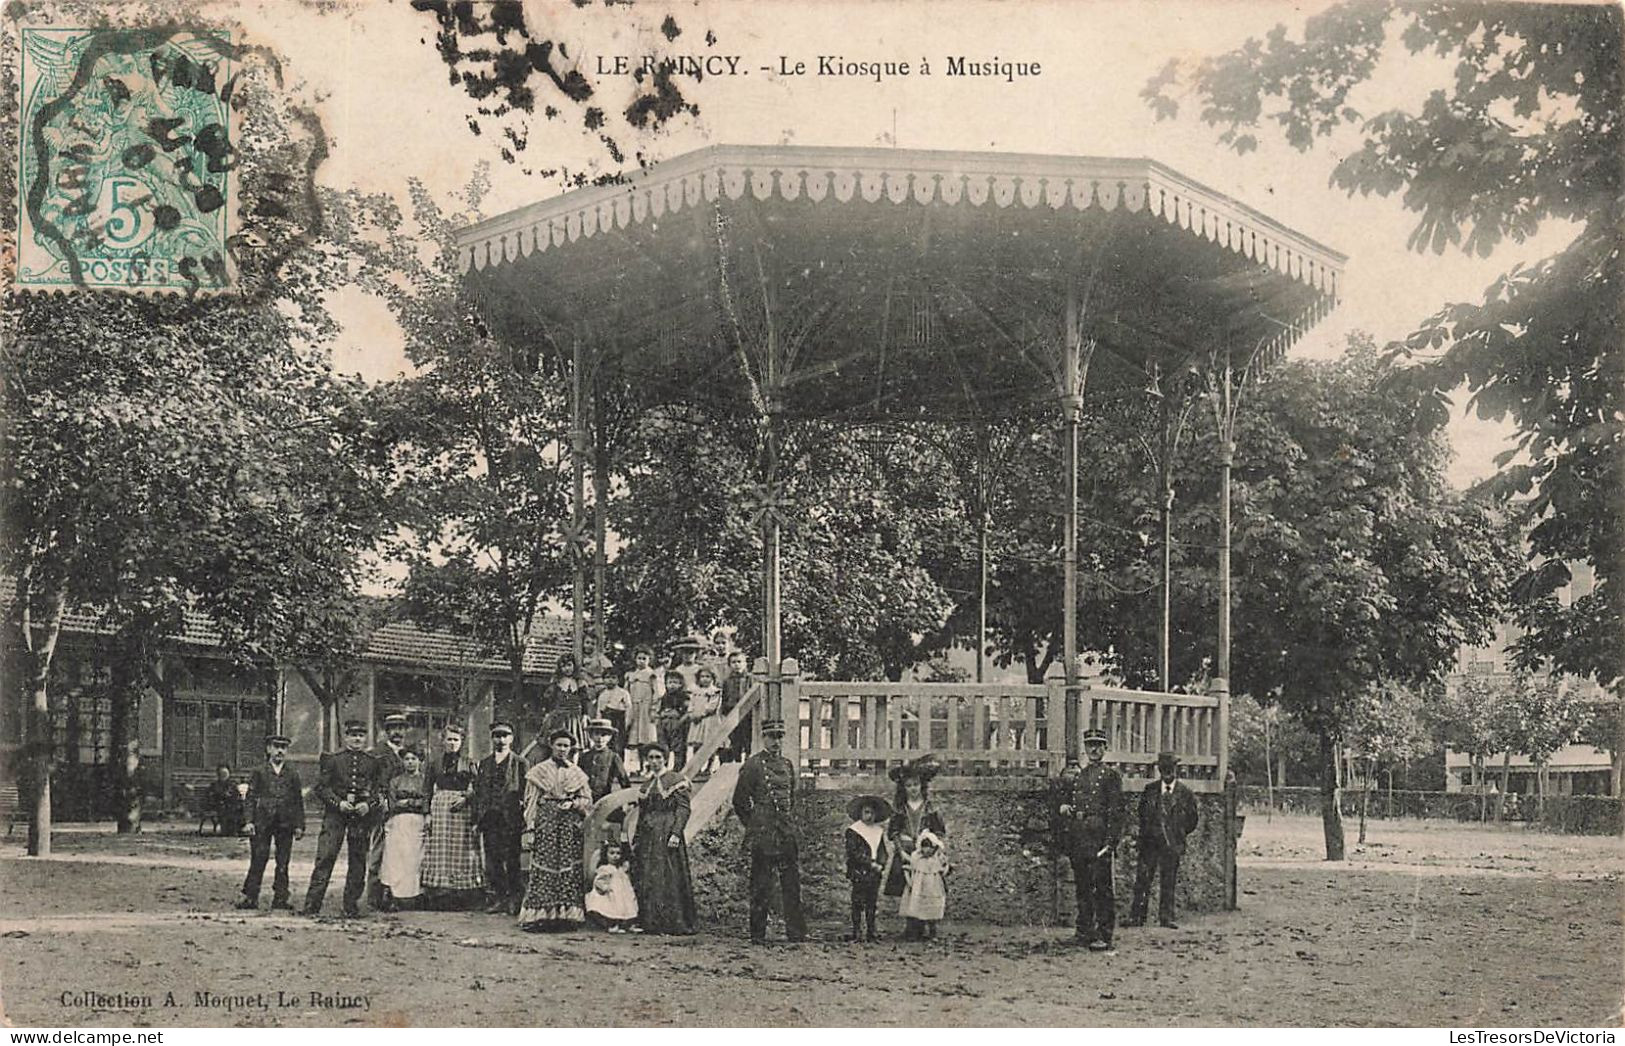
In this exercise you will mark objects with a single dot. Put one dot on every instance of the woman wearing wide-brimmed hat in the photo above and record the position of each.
(913, 814)
(866, 860)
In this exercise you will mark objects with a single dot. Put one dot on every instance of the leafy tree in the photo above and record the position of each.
(1529, 132)
(860, 598)
(1540, 713)
(479, 437)
(1465, 718)
(1356, 563)
(1601, 728)
(1265, 742)
(170, 453)
(1386, 724)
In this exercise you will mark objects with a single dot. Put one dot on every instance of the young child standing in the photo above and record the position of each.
(406, 810)
(704, 712)
(925, 900)
(865, 860)
(612, 903)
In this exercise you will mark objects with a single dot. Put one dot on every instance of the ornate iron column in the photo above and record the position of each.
(578, 462)
(1072, 407)
(1224, 410)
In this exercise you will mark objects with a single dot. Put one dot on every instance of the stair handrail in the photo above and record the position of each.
(597, 825)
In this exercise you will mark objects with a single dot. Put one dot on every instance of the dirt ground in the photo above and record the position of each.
(1431, 923)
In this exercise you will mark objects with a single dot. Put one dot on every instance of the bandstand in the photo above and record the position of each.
(875, 285)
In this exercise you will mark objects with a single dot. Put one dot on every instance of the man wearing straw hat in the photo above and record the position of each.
(390, 765)
(1167, 816)
(1092, 806)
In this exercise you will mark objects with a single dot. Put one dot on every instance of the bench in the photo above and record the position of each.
(11, 807)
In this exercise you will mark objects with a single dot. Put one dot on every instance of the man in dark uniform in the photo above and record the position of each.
(762, 799)
(499, 792)
(1092, 805)
(388, 757)
(1167, 816)
(347, 785)
(276, 814)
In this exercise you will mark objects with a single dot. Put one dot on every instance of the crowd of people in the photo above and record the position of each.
(448, 832)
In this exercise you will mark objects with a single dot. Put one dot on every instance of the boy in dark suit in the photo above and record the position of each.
(1167, 816)
(347, 785)
(276, 814)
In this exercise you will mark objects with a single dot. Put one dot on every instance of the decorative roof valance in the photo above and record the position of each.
(903, 178)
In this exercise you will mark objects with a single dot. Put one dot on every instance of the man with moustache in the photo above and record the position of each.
(276, 815)
(346, 783)
(499, 792)
(388, 757)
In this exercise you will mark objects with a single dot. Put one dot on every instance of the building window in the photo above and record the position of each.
(205, 732)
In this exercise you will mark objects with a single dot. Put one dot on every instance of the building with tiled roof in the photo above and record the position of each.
(217, 710)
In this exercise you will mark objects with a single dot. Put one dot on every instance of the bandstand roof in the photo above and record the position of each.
(884, 283)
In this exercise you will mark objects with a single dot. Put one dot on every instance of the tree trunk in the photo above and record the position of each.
(1483, 775)
(1365, 802)
(1280, 770)
(1331, 814)
(129, 674)
(1506, 783)
(41, 734)
(1540, 792)
(1269, 776)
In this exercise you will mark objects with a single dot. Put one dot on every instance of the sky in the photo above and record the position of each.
(385, 101)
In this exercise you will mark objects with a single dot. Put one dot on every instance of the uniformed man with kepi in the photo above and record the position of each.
(276, 815)
(346, 783)
(1093, 814)
(390, 765)
(762, 799)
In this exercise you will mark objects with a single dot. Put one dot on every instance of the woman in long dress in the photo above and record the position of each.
(557, 802)
(664, 886)
(914, 815)
(407, 808)
(453, 864)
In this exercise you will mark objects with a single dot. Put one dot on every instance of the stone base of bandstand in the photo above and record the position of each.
(1001, 845)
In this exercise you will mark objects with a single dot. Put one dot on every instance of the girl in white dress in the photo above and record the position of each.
(612, 903)
(926, 897)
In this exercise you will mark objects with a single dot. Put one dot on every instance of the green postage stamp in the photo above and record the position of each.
(127, 159)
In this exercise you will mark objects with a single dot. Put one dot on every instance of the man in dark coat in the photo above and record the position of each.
(276, 814)
(1092, 806)
(347, 785)
(390, 764)
(499, 793)
(1167, 816)
(762, 798)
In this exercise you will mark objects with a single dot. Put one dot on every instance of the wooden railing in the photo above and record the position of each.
(861, 729)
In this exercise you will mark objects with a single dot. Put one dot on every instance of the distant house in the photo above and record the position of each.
(213, 710)
(1574, 769)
